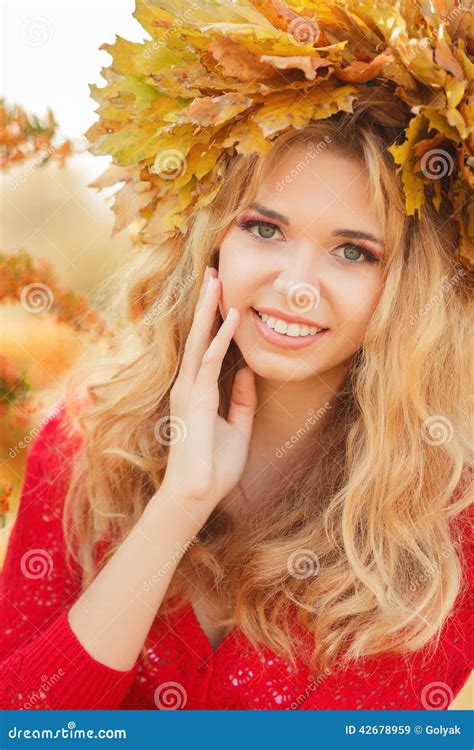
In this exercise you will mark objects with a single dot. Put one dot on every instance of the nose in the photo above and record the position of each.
(299, 278)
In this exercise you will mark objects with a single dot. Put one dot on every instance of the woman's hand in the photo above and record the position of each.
(208, 459)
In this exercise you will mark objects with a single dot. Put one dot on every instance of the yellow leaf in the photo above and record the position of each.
(404, 155)
(214, 110)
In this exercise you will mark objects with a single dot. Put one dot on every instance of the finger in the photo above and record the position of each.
(243, 402)
(205, 279)
(209, 272)
(211, 362)
(200, 332)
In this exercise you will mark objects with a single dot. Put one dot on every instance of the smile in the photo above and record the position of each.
(289, 336)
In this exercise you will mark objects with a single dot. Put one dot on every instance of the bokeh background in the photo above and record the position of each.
(50, 53)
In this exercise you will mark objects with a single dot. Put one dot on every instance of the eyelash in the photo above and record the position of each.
(250, 223)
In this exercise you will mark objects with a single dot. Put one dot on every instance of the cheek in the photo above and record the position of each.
(238, 270)
(356, 299)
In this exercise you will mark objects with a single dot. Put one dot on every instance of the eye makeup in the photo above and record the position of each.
(247, 222)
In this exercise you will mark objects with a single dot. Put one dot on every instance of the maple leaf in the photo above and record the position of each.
(220, 78)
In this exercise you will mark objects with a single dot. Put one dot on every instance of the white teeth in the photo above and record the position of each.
(289, 329)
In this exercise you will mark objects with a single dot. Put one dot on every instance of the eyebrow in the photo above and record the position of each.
(355, 234)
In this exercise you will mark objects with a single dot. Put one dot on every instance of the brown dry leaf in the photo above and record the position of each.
(222, 78)
(444, 57)
(309, 65)
(214, 110)
(128, 203)
(238, 62)
(361, 72)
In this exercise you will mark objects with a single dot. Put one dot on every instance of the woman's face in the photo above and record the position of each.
(320, 260)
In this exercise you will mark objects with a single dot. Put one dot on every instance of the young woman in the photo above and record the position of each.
(312, 488)
(263, 499)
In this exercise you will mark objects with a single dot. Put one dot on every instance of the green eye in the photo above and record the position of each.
(266, 228)
(357, 254)
(352, 252)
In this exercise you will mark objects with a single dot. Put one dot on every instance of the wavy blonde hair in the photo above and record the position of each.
(376, 506)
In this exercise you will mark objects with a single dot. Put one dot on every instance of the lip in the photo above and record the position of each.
(280, 339)
(289, 318)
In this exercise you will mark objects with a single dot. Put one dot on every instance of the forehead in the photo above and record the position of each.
(307, 185)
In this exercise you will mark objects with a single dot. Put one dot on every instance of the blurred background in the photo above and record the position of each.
(56, 232)
(56, 243)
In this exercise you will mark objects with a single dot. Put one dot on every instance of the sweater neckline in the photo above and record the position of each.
(195, 637)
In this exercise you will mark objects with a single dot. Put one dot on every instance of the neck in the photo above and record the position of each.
(287, 411)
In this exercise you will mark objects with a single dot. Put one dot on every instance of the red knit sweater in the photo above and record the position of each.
(43, 664)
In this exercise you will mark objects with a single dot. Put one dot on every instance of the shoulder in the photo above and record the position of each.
(57, 434)
(56, 442)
